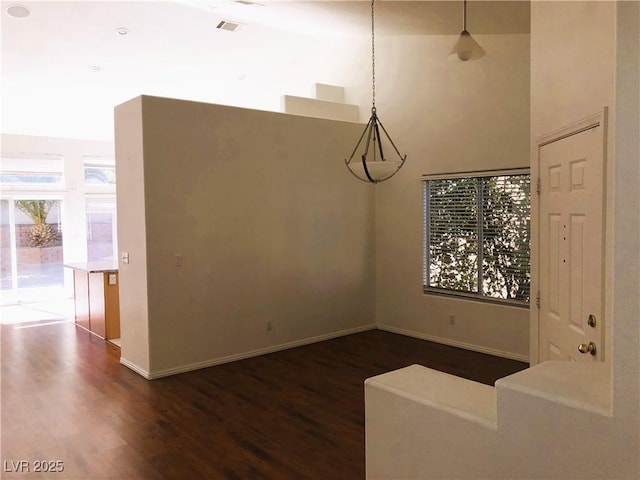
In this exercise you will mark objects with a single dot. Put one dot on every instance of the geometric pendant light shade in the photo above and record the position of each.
(370, 160)
(466, 48)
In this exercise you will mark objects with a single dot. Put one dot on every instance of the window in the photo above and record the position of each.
(43, 172)
(477, 236)
(99, 171)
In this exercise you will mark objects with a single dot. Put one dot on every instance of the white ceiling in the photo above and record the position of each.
(173, 49)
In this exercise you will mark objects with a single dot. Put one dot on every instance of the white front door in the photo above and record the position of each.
(571, 259)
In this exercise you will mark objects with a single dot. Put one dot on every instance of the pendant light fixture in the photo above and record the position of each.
(372, 166)
(466, 48)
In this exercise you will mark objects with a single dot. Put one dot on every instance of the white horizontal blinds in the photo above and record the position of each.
(425, 234)
(506, 237)
(477, 236)
(46, 170)
(453, 234)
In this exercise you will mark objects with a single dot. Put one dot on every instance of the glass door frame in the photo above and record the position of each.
(13, 295)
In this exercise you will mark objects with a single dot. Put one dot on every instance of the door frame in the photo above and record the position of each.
(601, 119)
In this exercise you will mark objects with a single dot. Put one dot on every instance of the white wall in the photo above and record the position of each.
(626, 236)
(446, 116)
(266, 221)
(132, 237)
(572, 61)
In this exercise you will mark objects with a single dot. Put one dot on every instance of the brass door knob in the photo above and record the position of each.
(587, 348)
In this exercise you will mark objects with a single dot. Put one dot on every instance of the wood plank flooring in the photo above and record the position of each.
(296, 414)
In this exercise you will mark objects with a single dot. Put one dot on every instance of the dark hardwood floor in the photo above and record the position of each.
(296, 414)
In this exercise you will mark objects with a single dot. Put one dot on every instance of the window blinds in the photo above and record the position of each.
(477, 236)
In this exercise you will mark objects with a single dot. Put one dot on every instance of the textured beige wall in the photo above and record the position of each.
(132, 237)
(574, 72)
(447, 117)
(626, 244)
(269, 227)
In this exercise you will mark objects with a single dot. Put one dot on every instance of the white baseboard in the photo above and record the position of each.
(328, 336)
(455, 343)
(241, 356)
(135, 368)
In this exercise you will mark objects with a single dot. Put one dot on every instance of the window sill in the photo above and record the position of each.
(473, 297)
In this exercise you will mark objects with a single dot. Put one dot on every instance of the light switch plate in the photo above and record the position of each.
(113, 279)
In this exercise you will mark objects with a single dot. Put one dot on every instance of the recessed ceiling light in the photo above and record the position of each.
(95, 68)
(122, 31)
(18, 11)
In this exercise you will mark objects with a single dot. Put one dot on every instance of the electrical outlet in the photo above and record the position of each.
(452, 319)
(269, 326)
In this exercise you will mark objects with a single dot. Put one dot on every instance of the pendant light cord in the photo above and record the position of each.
(373, 60)
(464, 15)
(370, 168)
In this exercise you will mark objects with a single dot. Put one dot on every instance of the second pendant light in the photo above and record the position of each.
(466, 48)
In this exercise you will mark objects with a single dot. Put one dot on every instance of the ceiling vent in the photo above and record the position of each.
(229, 26)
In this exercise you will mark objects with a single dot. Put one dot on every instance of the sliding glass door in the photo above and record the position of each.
(101, 228)
(31, 250)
